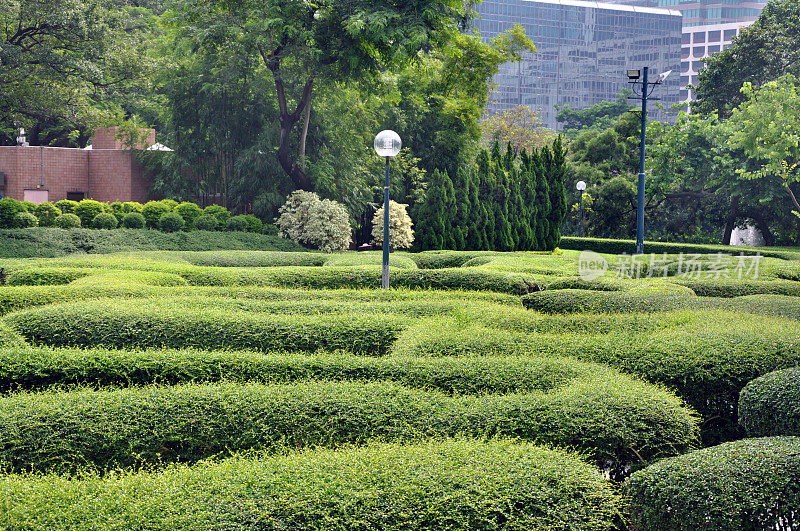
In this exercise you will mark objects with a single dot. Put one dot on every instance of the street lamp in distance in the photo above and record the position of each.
(580, 186)
(387, 144)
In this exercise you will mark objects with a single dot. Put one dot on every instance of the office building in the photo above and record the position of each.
(706, 12)
(583, 50)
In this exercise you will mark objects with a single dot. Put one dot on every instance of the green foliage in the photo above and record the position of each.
(219, 212)
(323, 224)
(45, 276)
(119, 325)
(770, 404)
(66, 206)
(189, 212)
(67, 221)
(737, 486)
(152, 212)
(126, 427)
(458, 485)
(9, 338)
(170, 222)
(206, 222)
(253, 223)
(46, 213)
(613, 246)
(401, 236)
(9, 208)
(237, 223)
(105, 221)
(597, 116)
(24, 220)
(87, 210)
(134, 220)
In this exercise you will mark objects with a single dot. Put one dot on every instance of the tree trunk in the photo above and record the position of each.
(730, 223)
(288, 121)
(763, 227)
(304, 135)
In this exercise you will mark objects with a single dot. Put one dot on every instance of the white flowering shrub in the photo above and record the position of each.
(323, 224)
(401, 236)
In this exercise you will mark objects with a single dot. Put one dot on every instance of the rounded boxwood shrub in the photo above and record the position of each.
(770, 404)
(218, 211)
(253, 223)
(46, 213)
(133, 220)
(104, 221)
(9, 208)
(67, 221)
(66, 206)
(236, 223)
(206, 222)
(87, 210)
(457, 485)
(23, 220)
(170, 222)
(738, 486)
(153, 211)
(189, 212)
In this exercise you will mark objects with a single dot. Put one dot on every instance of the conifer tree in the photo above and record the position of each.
(448, 212)
(476, 236)
(462, 188)
(556, 174)
(542, 191)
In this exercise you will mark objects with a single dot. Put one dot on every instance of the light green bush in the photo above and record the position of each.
(67, 221)
(134, 220)
(189, 212)
(152, 212)
(87, 210)
(46, 213)
(770, 404)
(737, 486)
(46, 276)
(66, 206)
(219, 212)
(24, 220)
(458, 485)
(9, 208)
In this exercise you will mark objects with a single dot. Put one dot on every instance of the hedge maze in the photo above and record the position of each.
(283, 390)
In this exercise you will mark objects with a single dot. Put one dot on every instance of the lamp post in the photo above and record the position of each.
(634, 79)
(580, 186)
(387, 144)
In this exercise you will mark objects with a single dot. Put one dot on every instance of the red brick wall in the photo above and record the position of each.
(106, 138)
(104, 175)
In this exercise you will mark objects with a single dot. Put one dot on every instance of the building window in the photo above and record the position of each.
(699, 36)
(684, 66)
(714, 36)
(687, 38)
(713, 49)
(36, 196)
(699, 51)
(75, 196)
(730, 34)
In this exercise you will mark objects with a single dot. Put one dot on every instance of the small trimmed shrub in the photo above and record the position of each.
(46, 213)
(66, 206)
(67, 221)
(9, 208)
(170, 203)
(401, 235)
(610, 420)
(324, 225)
(458, 485)
(87, 210)
(170, 222)
(152, 212)
(446, 259)
(25, 220)
(218, 211)
(104, 221)
(738, 486)
(236, 223)
(770, 404)
(189, 212)
(206, 222)
(253, 223)
(134, 220)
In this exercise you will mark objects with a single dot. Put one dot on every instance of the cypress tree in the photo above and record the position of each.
(542, 191)
(558, 197)
(461, 185)
(448, 212)
(430, 222)
(476, 237)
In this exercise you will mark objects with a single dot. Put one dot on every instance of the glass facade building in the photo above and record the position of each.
(706, 12)
(583, 50)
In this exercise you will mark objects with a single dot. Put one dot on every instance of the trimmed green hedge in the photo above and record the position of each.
(706, 356)
(121, 324)
(46, 276)
(447, 259)
(738, 486)
(616, 421)
(458, 485)
(254, 258)
(739, 288)
(10, 340)
(609, 246)
(770, 404)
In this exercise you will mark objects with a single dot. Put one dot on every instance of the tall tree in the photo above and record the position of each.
(302, 43)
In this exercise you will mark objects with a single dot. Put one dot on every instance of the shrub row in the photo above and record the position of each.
(738, 486)
(739, 288)
(52, 242)
(117, 324)
(706, 356)
(46, 276)
(447, 259)
(610, 246)
(583, 301)
(770, 404)
(459, 485)
(10, 339)
(616, 421)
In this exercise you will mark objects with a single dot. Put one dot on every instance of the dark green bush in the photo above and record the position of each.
(189, 212)
(220, 212)
(9, 208)
(457, 485)
(133, 220)
(46, 213)
(206, 222)
(118, 324)
(104, 221)
(770, 404)
(253, 223)
(87, 210)
(24, 220)
(738, 486)
(66, 206)
(615, 421)
(603, 245)
(170, 222)
(237, 223)
(152, 212)
(67, 221)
